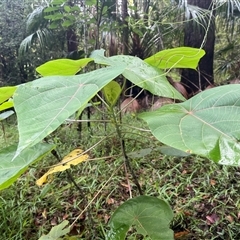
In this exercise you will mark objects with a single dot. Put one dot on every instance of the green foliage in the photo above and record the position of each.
(61, 14)
(11, 170)
(182, 57)
(41, 42)
(6, 93)
(45, 92)
(12, 14)
(206, 124)
(149, 215)
(112, 92)
(141, 74)
(6, 101)
(51, 100)
(191, 126)
(62, 67)
(6, 105)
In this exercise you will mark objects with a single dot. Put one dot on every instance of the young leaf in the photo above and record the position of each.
(54, 25)
(149, 215)
(6, 105)
(112, 92)
(67, 23)
(72, 158)
(11, 170)
(44, 104)
(51, 9)
(181, 57)
(63, 67)
(57, 232)
(6, 93)
(67, 8)
(207, 124)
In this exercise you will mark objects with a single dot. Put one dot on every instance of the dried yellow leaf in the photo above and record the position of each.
(73, 158)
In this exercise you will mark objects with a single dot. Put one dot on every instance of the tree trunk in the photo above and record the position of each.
(125, 31)
(194, 36)
(72, 44)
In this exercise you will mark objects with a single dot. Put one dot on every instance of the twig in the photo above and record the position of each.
(126, 159)
(94, 197)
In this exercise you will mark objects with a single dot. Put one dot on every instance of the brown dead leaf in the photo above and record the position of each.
(229, 218)
(181, 234)
(187, 213)
(106, 218)
(213, 182)
(54, 222)
(211, 219)
(110, 201)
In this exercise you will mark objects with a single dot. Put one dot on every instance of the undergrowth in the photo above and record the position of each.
(203, 195)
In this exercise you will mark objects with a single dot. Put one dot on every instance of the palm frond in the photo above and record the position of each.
(35, 20)
(25, 45)
(228, 8)
(42, 38)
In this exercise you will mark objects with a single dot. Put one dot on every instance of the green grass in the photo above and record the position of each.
(203, 195)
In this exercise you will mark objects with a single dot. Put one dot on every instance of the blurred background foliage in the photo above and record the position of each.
(33, 32)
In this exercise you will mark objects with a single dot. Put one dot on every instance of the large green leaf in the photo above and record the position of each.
(181, 57)
(11, 170)
(44, 104)
(149, 215)
(6, 93)
(63, 67)
(141, 74)
(207, 124)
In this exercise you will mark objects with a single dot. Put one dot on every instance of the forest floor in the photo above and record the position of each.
(203, 195)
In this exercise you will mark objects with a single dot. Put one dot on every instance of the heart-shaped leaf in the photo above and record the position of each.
(207, 124)
(149, 215)
(112, 92)
(44, 104)
(181, 57)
